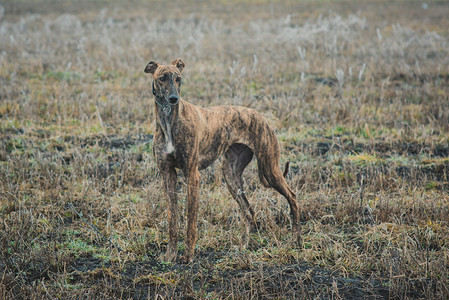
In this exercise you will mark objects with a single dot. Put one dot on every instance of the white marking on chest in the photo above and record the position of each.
(170, 148)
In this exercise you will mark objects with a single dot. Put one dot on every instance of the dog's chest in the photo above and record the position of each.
(167, 129)
(169, 147)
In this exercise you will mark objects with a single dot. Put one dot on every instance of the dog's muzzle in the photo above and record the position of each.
(166, 106)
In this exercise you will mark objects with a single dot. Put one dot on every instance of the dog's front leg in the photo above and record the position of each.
(193, 182)
(169, 176)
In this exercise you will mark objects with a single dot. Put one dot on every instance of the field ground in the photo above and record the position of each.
(358, 92)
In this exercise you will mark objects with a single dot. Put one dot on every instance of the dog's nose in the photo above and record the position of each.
(173, 99)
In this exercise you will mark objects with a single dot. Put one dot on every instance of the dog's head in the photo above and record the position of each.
(166, 79)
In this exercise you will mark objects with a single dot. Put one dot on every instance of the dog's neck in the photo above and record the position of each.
(166, 117)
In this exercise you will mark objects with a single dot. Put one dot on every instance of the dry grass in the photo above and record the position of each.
(359, 94)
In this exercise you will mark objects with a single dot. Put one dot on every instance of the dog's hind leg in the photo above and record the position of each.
(235, 160)
(275, 178)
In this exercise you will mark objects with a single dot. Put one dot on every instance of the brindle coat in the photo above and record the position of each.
(191, 138)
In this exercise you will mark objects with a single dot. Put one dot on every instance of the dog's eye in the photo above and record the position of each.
(178, 79)
(162, 78)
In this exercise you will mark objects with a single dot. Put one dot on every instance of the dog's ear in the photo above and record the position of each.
(151, 67)
(179, 64)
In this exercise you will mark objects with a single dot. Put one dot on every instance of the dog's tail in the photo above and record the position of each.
(262, 178)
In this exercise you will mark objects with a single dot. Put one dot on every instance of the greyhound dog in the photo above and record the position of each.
(191, 138)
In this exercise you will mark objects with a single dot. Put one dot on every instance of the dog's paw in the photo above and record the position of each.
(185, 259)
(169, 256)
(296, 239)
